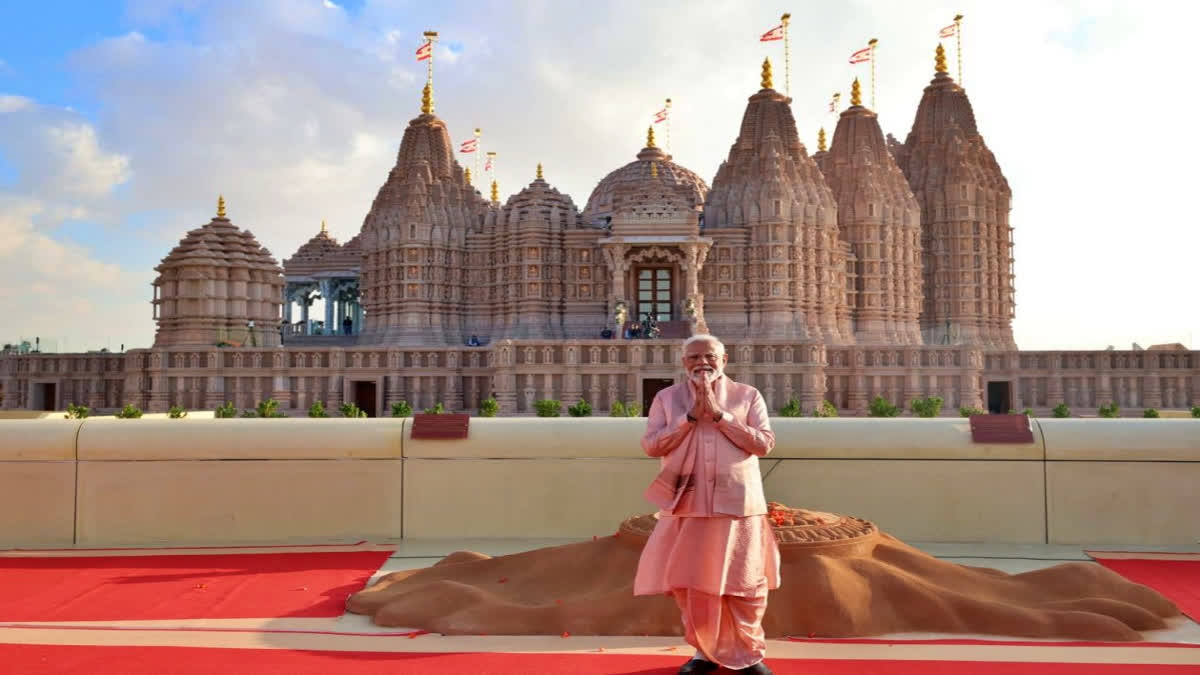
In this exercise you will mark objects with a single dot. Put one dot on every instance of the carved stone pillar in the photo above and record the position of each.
(1054, 382)
(505, 380)
(614, 256)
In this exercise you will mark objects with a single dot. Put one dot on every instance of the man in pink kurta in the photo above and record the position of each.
(712, 549)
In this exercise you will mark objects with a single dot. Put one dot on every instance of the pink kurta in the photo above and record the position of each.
(697, 543)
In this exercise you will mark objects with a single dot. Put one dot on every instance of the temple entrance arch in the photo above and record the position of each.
(999, 397)
(655, 292)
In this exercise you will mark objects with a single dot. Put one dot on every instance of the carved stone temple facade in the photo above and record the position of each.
(870, 268)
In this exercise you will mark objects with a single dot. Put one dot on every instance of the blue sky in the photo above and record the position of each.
(120, 122)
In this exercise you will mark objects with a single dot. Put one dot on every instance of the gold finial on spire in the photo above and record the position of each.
(467, 175)
(427, 99)
(323, 228)
(766, 75)
(650, 137)
(855, 93)
(220, 206)
(939, 60)
(539, 173)
(495, 192)
(654, 169)
(821, 140)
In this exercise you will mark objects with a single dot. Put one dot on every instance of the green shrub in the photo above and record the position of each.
(826, 409)
(176, 412)
(77, 412)
(437, 409)
(967, 411)
(930, 406)
(617, 410)
(1111, 410)
(401, 408)
(226, 411)
(1027, 412)
(269, 408)
(317, 409)
(129, 412)
(1150, 413)
(881, 407)
(488, 407)
(792, 409)
(547, 407)
(1196, 411)
(633, 409)
(581, 409)
(1061, 411)
(351, 410)
(248, 413)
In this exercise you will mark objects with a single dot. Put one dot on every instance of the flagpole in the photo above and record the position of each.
(872, 44)
(427, 105)
(478, 148)
(958, 46)
(668, 126)
(787, 56)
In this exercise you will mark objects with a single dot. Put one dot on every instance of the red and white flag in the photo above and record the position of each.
(948, 31)
(775, 33)
(487, 166)
(470, 145)
(661, 115)
(425, 51)
(861, 56)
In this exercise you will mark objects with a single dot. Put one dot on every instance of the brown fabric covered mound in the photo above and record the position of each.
(842, 577)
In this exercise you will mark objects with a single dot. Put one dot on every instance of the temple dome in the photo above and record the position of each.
(651, 183)
(539, 203)
(214, 284)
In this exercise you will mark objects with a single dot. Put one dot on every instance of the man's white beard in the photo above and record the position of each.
(705, 373)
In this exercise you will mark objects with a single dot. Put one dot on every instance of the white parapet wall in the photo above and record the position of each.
(109, 482)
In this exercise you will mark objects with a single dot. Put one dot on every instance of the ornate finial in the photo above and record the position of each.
(467, 175)
(766, 75)
(855, 93)
(650, 137)
(323, 228)
(939, 60)
(427, 99)
(539, 173)
(495, 192)
(654, 169)
(220, 206)
(821, 140)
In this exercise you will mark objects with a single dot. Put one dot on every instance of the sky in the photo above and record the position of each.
(121, 122)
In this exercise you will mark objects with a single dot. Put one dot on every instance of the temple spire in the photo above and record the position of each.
(467, 174)
(427, 99)
(539, 171)
(855, 93)
(821, 140)
(323, 228)
(650, 137)
(495, 193)
(220, 206)
(939, 60)
(766, 75)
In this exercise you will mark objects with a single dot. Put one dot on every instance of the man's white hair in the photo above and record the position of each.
(705, 337)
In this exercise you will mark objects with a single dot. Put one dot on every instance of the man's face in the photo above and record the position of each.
(704, 358)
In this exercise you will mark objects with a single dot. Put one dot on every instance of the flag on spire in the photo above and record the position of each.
(424, 51)
(469, 145)
(661, 115)
(861, 56)
(488, 165)
(949, 31)
(772, 35)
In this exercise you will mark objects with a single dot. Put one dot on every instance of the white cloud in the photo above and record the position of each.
(329, 4)
(10, 103)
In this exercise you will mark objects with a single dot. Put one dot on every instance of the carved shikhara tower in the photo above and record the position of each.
(965, 200)
(869, 269)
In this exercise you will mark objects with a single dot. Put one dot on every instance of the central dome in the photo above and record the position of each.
(650, 183)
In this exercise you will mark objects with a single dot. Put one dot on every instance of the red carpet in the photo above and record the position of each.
(221, 586)
(1179, 580)
(30, 659)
